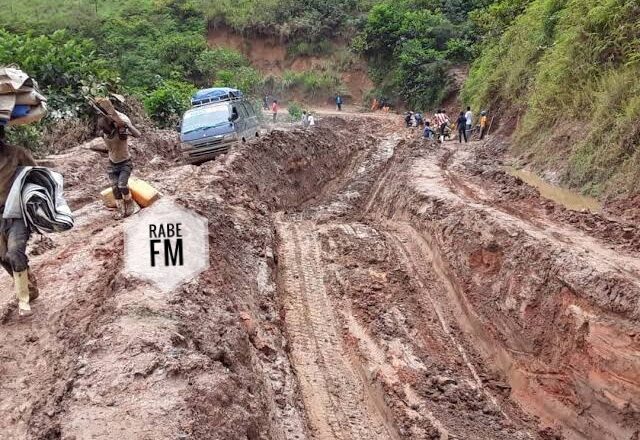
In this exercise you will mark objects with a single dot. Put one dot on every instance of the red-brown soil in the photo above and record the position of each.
(363, 285)
(269, 55)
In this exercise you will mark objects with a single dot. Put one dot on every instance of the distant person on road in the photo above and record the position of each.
(428, 132)
(274, 110)
(462, 127)
(408, 117)
(339, 102)
(469, 117)
(305, 119)
(417, 116)
(312, 120)
(265, 102)
(442, 121)
(483, 124)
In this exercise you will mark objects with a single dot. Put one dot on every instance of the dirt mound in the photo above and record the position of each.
(542, 297)
(621, 232)
(362, 285)
(207, 360)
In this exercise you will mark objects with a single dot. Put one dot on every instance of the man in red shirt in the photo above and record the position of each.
(274, 109)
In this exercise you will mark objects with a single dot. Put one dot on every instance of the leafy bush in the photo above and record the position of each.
(27, 136)
(295, 111)
(409, 50)
(167, 103)
(67, 69)
(306, 48)
(570, 68)
(311, 21)
(313, 83)
(228, 68)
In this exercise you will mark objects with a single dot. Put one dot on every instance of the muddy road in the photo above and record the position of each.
(363, 285)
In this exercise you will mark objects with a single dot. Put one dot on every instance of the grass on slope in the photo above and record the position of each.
(570, 68)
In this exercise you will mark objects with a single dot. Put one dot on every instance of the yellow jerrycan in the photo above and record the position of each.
(143, 193)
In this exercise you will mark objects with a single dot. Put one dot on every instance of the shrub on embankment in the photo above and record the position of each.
(569, 69)
(155, 51)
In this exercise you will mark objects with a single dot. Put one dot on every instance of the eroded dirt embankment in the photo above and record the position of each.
(362, 286)
(108, 356)
(548, 306)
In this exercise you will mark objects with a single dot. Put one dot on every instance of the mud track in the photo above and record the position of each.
(364, 285)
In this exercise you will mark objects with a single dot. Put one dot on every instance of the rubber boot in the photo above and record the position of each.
(34, 293)
(21, 280)
(130, 205)
(120, 209)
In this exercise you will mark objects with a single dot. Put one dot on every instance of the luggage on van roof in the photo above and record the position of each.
(215, 94)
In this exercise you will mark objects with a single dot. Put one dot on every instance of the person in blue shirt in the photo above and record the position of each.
(428, 132)
(339, 102)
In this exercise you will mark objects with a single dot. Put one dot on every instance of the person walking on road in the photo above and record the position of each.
(14, 233)
(441, 121)
(115, 128)
(274, 110)
(462, 127)
(417, 116)
(469, 124)
(483, 124)
(339, 102)
(305, 119)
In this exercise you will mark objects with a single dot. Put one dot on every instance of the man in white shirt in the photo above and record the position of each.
(469, 116)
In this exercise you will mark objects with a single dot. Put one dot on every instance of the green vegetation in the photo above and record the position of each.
(309, 22)
(566, 70)
(67, 68)
(295, 111)
(155, 50)
(570, 69)
(169, 101)
(411, 45)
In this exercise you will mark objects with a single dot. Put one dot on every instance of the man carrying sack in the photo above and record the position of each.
(116, 128)
(20, 103)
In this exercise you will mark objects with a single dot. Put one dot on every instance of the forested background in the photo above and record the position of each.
(562, 72)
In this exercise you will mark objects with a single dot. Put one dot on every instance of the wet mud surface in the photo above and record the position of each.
(363, 285)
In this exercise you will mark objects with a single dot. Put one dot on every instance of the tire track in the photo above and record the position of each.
(337, 401)
(411, 248)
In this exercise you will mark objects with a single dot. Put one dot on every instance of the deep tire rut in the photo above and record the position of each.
(337, 402)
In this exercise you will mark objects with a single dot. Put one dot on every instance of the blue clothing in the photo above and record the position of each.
(428, 133)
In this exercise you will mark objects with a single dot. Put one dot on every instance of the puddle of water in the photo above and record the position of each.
(567, 198)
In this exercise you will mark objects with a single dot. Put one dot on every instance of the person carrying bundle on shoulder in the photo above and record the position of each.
(30, 196)
(115, 128)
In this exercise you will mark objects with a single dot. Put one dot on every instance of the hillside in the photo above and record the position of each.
(564, 75)
(559, 74)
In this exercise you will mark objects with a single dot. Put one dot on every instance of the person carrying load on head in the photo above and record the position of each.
(115, 128)
(26, 203)
(14, 233)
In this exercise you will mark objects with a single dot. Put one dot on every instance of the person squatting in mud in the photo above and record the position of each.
(115, 128)
(14, 233)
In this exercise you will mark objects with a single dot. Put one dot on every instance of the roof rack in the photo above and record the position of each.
(214, 95)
